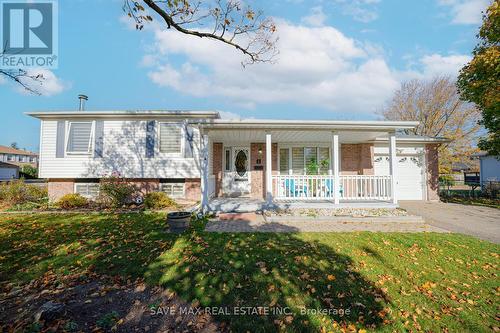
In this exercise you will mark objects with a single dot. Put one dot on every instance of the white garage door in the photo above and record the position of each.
(410, 176)
(7, 173)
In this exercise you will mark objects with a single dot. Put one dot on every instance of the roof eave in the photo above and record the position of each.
(124, 114)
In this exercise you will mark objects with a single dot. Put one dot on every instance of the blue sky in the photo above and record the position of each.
(338, 59)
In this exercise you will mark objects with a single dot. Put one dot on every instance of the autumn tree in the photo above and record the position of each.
(479, 80)
(230, 22)
(437, 106)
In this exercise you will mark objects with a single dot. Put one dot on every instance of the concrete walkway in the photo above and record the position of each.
(480, 222)
(251, 222)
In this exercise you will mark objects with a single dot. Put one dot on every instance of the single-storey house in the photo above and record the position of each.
(199, 156)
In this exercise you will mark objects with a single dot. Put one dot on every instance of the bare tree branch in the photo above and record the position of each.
(440, 111)
(225, 21)
(22, 77)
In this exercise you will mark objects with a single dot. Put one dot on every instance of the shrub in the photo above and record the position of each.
(72, 201)
(116, 191)
(18, 192)
(158, 200)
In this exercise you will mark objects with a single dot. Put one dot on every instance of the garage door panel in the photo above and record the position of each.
(409, 176)
(7, 173)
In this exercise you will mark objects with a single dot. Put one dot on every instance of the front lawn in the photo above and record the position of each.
(478, 201)
(386, 282)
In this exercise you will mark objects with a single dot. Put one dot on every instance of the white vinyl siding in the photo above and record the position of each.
(79, 137)
(173, 190)
(124, 150)
(170, 138)
(284, 158)
(88, 190)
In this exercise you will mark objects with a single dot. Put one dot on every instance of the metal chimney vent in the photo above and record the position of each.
(82, 99)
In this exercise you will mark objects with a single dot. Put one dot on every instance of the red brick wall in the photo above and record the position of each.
(145, 185)
(217, 167)
(432, 158)
(59, 187)
(193, 189)
(356, 159)
(258, 177)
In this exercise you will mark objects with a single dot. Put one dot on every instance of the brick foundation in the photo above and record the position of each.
(59, 187)
(432, 159)
(193, 189)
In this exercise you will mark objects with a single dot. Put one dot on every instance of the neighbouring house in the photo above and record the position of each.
(489, 168)
(198, 156)
(8, 171)
(18, 157)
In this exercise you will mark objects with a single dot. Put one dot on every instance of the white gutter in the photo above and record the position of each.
(307, 124)
(125, 113)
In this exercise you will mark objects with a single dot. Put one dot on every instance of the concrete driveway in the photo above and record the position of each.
(480, 222)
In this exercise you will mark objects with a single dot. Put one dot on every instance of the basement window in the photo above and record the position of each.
(87, 190)
(173, 190)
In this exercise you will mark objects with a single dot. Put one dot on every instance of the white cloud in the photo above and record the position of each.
(316, 18)
(436, 64)
(465, 11)
(48, 83)
(360, 10)
(316, 67)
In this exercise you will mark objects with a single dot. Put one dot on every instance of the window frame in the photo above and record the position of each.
(88, 196)
(291, 146)
(183, 139)
(91, 138)
(183, 195)
(226, 161)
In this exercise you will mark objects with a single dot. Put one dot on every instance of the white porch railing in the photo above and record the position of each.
(365, 187)
(305, 187)
(320, 187)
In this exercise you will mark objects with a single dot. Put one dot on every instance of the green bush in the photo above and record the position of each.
(116, 191)
(72, 201)
(158, 200)
(18, 192)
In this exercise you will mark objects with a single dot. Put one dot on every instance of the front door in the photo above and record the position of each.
(237, 180)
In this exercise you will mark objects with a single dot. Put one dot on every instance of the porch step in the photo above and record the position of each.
(251, 217)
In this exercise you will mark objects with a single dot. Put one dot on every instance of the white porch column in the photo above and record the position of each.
(336, 167)
(204, 173)
(392, 166)
(269, 162)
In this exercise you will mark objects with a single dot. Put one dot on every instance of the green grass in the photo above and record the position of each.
(389, 282)
(478, 201)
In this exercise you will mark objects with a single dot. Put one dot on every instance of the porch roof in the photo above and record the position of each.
(265, 124)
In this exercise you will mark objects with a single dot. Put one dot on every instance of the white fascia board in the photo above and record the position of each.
(309, 124)
(125, 114)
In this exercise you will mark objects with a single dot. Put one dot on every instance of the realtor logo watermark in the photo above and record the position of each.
(28, 34)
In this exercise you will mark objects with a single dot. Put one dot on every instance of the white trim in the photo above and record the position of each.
(182, 139)
(393, 167)
(269, 163)
(171, 194)
(336, 168)
(91, 138)
(87, 184)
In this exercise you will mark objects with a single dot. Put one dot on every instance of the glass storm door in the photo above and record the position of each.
(241, 171)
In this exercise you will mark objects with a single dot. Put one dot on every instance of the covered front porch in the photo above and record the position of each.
(326, 164)
(245, 204)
